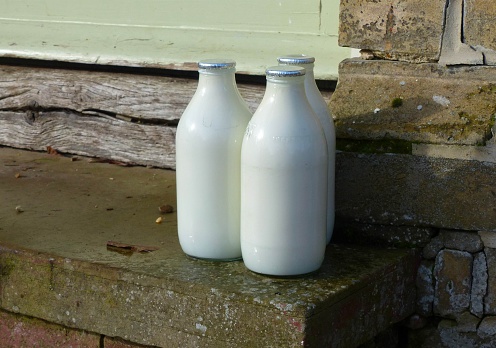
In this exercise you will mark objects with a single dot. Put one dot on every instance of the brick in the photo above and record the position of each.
(488, 238)
(487, 327)
(425, 288)
(399, 29)
(490, 298)
(450, 336)
(452, 271)
(479, 285)
(431, 250)
(18, 332)
(467, 322)
(460, 240)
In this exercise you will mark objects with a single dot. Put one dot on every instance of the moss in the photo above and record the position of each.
(6, 267)
(492, 121)
(489, 88)
(396, 102)
(375, 146)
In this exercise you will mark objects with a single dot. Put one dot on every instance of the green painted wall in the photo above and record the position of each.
(172, 33)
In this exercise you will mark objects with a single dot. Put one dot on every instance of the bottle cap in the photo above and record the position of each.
(216, 64)
(296, 59)
(285, 71)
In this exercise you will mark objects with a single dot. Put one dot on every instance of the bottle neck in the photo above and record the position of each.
(310, 83)
(290, 87)
(308, 68)
(216, 80)
(309, 71)
(285, 80)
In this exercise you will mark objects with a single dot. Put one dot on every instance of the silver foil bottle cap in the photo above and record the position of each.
(216, 64)
(285, 71)
(295, 59)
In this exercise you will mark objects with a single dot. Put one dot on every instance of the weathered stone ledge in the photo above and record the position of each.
(417, 145)
(418, 103)
(57, 215)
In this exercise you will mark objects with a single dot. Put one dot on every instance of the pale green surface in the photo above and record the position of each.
(172, 33)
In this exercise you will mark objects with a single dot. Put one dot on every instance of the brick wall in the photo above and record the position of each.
(456, 284)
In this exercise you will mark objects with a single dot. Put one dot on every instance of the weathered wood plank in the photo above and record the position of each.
(125, 117)
(133, 96)
(103, 137)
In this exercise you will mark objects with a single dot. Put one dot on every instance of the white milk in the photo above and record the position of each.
(208, 150)
(284, 180)
(321, 109)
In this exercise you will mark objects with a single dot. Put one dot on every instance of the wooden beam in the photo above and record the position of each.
(96, 136)
(139, 97)
(125, 117)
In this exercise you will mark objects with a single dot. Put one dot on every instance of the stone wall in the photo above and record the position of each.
(456, 283)
(415, 122)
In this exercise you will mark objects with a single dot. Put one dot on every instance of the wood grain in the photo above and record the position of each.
(110, 138)
(88, 92)
(125, 117)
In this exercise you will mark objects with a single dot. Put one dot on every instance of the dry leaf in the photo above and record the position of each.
(52, 151)
(112, 245)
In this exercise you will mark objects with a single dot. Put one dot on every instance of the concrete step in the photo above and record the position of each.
(57, 215)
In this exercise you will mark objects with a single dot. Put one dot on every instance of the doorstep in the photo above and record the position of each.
(57, 215)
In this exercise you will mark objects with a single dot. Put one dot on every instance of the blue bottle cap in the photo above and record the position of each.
(296, 59)
(216, 64)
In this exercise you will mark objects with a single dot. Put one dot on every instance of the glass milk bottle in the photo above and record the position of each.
(321, 109)
(284, 180)
(208, 150)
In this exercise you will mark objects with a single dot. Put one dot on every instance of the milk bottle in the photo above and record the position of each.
(321, 109)
(284, 180)
(208, 150)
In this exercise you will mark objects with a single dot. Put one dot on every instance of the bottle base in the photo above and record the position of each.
(287, 276)
(230, 259)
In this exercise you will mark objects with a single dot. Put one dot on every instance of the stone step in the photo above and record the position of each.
(57, 215)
